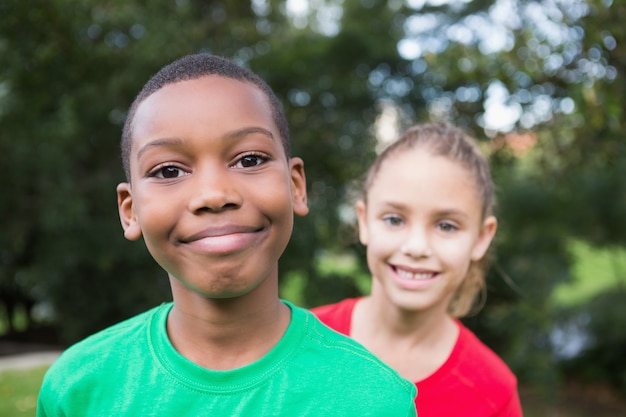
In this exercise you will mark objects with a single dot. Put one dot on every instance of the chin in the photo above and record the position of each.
(409, 303)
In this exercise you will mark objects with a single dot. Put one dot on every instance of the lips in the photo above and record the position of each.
(413, 278)
(219, 231)
(224, 239)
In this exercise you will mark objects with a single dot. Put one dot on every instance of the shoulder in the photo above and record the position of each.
(331, 356)
(114, 334)
(485, 372)
(337, 316)
(330, 342)
(475, 377)
(102, 349)
(479, 359)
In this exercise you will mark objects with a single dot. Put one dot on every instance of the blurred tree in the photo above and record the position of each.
(540, 83)
(74, 68)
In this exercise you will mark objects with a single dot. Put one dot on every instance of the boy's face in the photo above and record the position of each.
(212, 191)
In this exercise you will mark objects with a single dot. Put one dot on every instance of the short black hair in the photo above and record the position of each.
(195, 66)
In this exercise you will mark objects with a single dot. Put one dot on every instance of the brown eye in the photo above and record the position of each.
(168, 172)
(250, 160)
(393, 220)
(446, 227)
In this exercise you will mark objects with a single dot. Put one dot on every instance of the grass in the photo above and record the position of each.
(19, 390)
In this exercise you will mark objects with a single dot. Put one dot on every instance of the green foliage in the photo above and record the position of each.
(594, 272)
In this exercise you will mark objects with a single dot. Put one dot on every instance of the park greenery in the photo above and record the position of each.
(541, 84)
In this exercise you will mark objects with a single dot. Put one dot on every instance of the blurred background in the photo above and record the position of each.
(540, 84)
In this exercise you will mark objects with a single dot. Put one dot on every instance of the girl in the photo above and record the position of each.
(426, 219)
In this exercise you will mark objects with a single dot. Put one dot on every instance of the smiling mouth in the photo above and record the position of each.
(223, 240)
(417, 276)
(219, 232)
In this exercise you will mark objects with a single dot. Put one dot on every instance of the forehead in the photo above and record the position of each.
(418, 177)
(200, 104)
(419, 163)
(206, 95)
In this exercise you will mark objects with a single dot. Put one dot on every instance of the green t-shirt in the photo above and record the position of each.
(132, 369)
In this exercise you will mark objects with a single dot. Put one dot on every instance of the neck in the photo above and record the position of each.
(403, 339)
(398, 324)
(226, 333)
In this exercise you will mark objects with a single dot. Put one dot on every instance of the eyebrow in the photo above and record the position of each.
(441, 212)
(248, 131)
(176, 142)
(165, 142)
(393, 205)
(453, 213)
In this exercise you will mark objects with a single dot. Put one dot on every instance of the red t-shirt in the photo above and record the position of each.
(473, 381)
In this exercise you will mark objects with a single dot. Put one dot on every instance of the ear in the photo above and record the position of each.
(485, 236)
(361, 215)
(298, 187)
(132, 231)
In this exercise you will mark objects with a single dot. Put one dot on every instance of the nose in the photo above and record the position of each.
(214, 190)
(417, 244)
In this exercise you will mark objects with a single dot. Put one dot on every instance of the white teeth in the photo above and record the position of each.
(411, 275)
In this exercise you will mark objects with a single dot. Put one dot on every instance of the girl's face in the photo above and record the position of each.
(422, 225)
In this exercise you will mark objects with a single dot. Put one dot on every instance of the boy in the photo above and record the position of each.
(211, 188)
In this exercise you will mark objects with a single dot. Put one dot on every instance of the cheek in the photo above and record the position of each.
(380, 247)
(275, 205)
(155, 216)
(274, 201)
(455, 252)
